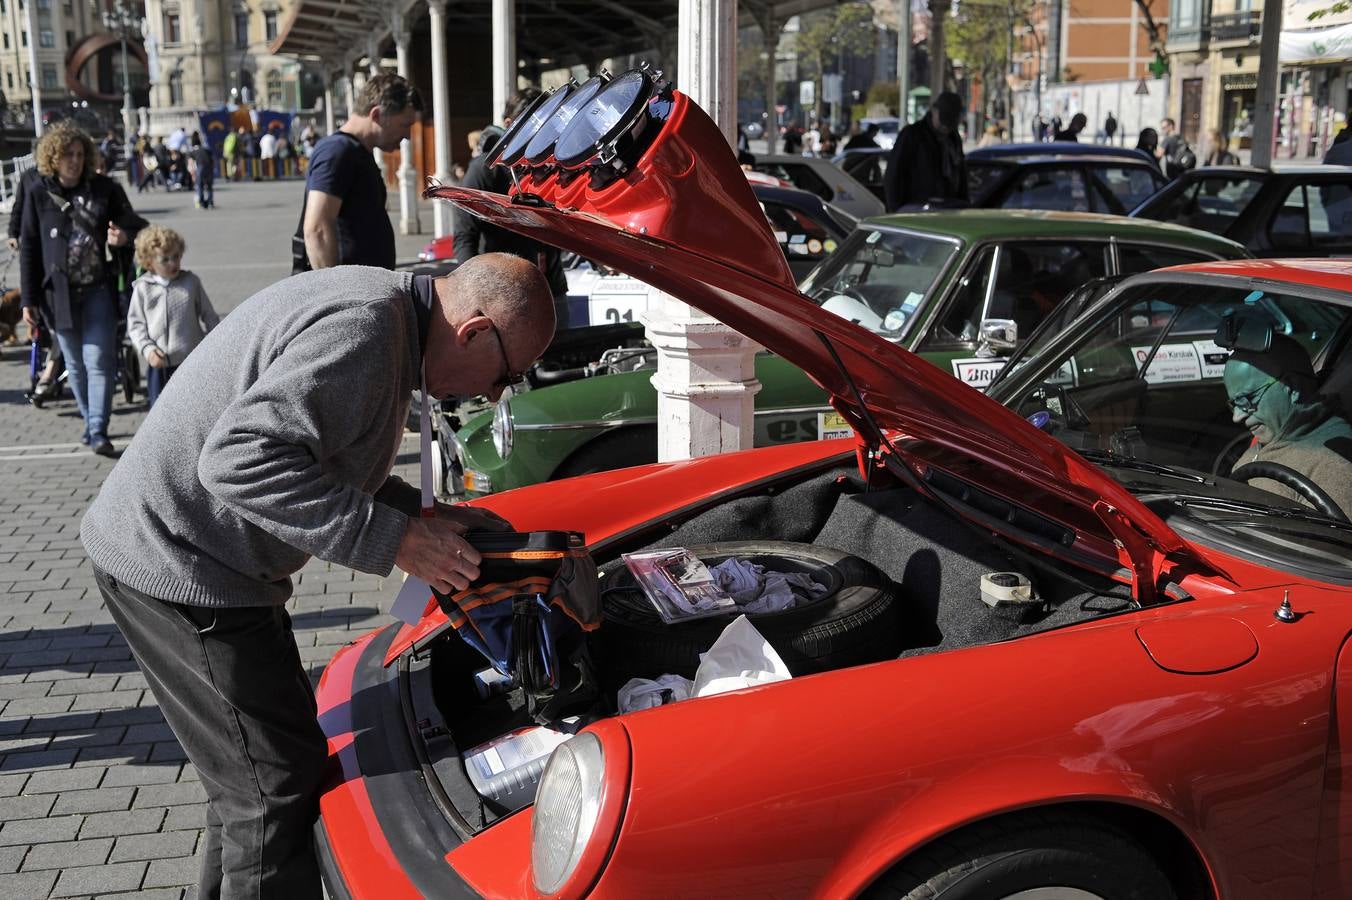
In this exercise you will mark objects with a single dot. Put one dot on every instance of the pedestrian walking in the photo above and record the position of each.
(234, 153)
(1218, 150)
(170, 312)
(70, 216)
(204, 161)
(865, 139)
(1072, 131)
(1174, 153)
(1110, 127)
(343, 220)
(793, 139)
(267, 153)
(926, 163)
(275, 443)
(283, 157)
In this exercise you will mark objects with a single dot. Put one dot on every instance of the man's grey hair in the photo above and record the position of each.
(506, 293)
(392, 93)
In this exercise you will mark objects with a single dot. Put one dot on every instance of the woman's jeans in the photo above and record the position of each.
(90, 351)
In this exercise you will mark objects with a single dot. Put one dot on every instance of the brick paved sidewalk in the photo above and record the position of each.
(96, 797)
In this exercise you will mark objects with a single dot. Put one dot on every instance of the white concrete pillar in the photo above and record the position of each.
(329, 125)
(441, 112)
(706, 377)
(409, 223)
(504, 54)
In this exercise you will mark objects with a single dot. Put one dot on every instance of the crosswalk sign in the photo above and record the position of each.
(1142, 89)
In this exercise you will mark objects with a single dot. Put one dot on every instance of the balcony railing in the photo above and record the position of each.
(1236, 26)
(1187, 36)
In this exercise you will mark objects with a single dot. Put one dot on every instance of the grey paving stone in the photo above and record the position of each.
(25, 743)
(183, 818)
(139, 734)
(10, 785)
(25, 690)
(12, 808)
(43, 759)
(68, 672)
(169, 794)
(122, 776)
(64, 780)
(92, 737)
(113, 756)
(163, 845)
(107, 700)
(114, 824)
(131, 716)
(93, 684)
(65, 722)
(94, 800)
(99, 879)
(39, 831)
(68, 853)
(10, 857)
(168, 752)
(100, 654)
(167, 872)
(172, 893)
(27, 885)
(37, 706)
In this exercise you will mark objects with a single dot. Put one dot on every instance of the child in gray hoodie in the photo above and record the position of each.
(170, 312)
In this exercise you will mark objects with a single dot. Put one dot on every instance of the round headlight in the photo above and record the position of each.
(615, 108)
(537, 119)
(540, 146)
(517, 126)
(502, 428)
(567, 806)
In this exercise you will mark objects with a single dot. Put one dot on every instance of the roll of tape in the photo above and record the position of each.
(1006, 589)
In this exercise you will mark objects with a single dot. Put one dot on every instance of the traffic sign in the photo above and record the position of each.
(1142, 89)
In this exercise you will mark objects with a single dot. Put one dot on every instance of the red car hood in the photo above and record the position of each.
(684, 221)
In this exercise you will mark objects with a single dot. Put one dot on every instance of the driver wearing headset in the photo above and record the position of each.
(1274, 394)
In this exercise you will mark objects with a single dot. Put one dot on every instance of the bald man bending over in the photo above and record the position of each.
(274, 443)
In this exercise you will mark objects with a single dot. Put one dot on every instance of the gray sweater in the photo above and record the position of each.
(273, 443)
(169, 316)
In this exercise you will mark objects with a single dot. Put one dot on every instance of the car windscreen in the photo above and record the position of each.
(879, 278)
(982, 176)
(1138, 383)
(1122, 188)
(1209, 202)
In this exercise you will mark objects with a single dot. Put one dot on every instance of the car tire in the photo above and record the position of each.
(1053, 854)
(635, 446)
(856, 622)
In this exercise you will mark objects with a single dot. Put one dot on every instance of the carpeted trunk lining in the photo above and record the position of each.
(936, 559)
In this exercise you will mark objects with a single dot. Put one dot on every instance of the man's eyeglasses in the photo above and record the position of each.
(1248, 401)
(509, 378)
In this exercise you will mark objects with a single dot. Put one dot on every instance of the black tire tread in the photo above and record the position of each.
(946, 862)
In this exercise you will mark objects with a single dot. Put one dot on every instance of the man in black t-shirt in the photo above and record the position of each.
(344, 221)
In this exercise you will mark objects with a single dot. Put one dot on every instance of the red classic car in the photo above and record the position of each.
(1033, 674)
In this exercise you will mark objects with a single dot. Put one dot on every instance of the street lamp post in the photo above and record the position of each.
(121, 18)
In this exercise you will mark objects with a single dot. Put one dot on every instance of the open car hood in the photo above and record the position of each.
(684, 220)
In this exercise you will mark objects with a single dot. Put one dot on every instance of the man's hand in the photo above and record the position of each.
(472, 518)
(433, 550)
(157, 359)
(116, 236)
(12, 243)
(30, 318)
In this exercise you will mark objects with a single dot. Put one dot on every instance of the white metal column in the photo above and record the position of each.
(409, 223)
(372, 69)
(441, 111)
(706, 376)
(504, 54)
(329, 124)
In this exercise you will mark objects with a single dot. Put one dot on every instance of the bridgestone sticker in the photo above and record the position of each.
(978, 373)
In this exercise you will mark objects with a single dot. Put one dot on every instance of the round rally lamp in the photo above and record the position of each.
(535, 120)
(542, 144)
(606, 131)
(495, 155)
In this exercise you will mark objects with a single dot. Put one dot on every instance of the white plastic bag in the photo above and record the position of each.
(740, 658)
(645, 693)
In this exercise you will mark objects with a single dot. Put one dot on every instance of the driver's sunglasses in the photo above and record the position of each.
(509, 379)
(1247, 402)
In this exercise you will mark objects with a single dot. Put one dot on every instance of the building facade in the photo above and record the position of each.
(1213, 53)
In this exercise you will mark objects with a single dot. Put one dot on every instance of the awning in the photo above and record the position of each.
(1323, 44)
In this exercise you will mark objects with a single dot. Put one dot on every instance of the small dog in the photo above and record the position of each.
(10, 317)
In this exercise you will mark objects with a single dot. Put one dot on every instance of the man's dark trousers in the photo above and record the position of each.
(231, 686)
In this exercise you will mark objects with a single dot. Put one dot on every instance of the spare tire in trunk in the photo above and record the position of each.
(857, 621)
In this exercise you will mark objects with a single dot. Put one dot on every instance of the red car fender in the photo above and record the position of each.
(826, 781)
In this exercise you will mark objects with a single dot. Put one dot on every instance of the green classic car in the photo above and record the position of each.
(961, 288)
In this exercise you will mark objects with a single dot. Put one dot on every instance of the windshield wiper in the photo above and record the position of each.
(1247, 506)
(1112, 460)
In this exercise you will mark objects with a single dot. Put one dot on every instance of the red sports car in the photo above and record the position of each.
(1056, 655)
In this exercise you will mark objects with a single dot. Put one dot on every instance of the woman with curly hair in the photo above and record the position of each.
(71, 217)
